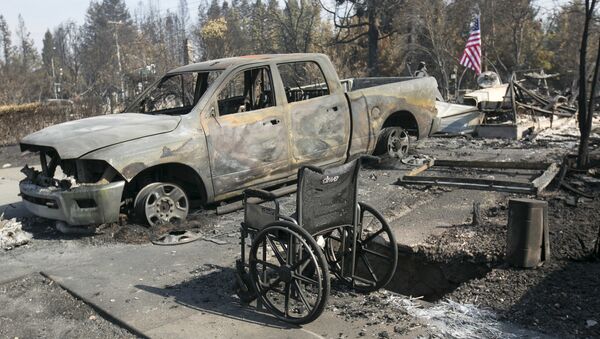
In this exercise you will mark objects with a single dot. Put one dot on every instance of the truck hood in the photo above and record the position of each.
(73, 139)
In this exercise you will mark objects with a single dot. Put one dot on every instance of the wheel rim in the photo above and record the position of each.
(376, 252)
(291, 280)
(398, 143)
(165, 203)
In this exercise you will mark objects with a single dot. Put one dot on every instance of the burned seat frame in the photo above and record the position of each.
(290, 259)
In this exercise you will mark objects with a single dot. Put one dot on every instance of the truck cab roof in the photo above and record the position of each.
(225, 63)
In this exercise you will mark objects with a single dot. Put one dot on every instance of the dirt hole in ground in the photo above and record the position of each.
(416, 275)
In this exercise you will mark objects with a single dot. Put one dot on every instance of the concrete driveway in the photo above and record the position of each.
(183, 291)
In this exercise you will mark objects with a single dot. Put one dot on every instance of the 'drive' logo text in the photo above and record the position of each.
(329, 180)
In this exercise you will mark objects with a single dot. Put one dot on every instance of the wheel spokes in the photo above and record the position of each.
(373, 236)
(300, 263)
(271, 286)
(305, 279)
(287, 299)
(176, 194)
(369, 268)
(278, 254)
(266, 263)
(377, 254)
(301, 295)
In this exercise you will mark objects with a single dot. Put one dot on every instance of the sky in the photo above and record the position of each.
(40, 15)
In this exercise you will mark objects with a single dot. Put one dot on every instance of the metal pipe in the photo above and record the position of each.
(238, 205)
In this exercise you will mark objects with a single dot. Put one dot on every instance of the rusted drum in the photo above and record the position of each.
(527, 239)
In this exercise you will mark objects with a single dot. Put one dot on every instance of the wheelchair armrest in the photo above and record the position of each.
(258, 193)
(314, 168)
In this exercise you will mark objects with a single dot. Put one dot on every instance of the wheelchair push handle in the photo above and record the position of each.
(258, 193)
(315, 169)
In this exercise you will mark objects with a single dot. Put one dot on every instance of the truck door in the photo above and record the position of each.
(246, 135)
(319, 118)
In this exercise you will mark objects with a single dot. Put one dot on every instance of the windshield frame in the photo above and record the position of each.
(134, 106)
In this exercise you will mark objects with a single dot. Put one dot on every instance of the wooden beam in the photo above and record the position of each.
(493, 164)
(478, 184)
(534, 187)
(546, 178)
(421, 168)
(543, 111)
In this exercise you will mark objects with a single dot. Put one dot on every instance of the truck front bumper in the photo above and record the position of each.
(80, 205)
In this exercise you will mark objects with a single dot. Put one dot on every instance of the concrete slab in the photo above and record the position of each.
(513, 132)
(450, 208)
(183, 291)
(10, 202)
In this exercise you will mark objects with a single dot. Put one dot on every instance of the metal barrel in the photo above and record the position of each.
(528, 240)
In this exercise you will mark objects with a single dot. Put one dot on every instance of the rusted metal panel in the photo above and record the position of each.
(415, 96)
(185, 145)
(319, 130)
(247, 146)
(75, 138)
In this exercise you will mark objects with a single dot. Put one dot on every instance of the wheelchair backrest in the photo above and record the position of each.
(329, 199)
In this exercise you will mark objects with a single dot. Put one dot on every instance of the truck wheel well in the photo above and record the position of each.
(185, 176)
(403, 119)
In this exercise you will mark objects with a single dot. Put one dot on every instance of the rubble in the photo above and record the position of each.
(514, 111)
(12, 234)
(455, 320)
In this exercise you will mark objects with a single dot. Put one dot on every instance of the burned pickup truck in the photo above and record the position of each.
(204, 132)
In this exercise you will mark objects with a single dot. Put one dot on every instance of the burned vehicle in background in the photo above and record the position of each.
(206, 131)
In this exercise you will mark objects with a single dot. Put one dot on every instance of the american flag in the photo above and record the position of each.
(471, 57)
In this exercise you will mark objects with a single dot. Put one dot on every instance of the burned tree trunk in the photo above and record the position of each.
(373, 41)
(597, 248)
(586, 110)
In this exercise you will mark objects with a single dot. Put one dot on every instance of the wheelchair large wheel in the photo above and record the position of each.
(376, 252)
(289, 272)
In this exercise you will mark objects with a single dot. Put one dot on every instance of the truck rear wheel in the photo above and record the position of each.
(161, 202)
(393, 142)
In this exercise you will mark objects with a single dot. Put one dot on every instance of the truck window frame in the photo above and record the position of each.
(324, 78)
(236, 72)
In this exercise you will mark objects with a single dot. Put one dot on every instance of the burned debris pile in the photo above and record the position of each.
(517, 109)
(12, 234)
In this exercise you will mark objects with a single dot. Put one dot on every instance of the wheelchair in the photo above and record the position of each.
(291, 258)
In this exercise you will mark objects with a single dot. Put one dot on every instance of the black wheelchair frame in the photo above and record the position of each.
(291, 257)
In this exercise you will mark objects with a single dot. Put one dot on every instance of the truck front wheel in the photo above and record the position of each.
(393, 142)
(161, 202)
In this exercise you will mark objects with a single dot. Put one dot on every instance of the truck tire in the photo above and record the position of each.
(161, 202)
(393, 142)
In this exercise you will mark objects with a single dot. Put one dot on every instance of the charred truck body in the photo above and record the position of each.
(206, 131)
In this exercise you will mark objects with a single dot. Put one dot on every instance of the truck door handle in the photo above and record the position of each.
(334, 108)
(272, 122)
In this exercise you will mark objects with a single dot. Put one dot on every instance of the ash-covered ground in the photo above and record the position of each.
(35, 307)
(559, 298)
